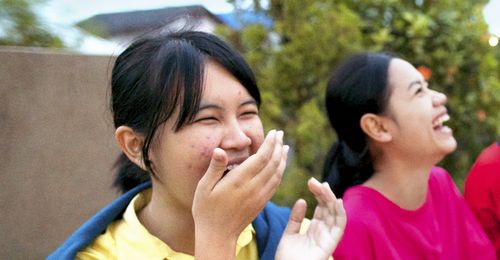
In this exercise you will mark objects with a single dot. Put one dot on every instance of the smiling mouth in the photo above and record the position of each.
(438, 123)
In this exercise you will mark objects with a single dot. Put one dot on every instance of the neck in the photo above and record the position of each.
(172, 224)
(404, 182)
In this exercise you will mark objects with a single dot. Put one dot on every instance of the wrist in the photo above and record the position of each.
(210, 244)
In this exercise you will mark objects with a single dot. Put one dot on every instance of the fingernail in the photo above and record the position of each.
(313, 179)
(279, 135)
(271, 134)
(286, 148)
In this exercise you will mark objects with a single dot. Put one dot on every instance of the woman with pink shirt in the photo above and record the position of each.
(390, 131)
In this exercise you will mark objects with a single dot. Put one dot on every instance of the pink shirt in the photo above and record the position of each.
(442, 228)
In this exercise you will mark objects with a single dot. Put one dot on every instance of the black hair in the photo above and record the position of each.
(158, 73)
(358, 86)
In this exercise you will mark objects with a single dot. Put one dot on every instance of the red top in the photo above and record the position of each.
(482, 192)
(442, 228)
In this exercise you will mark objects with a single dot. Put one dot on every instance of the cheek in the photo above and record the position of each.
(205, 147)
(256, 134)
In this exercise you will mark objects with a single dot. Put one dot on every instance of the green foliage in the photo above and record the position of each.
(292, 76)
(20, 26)
(447, 36)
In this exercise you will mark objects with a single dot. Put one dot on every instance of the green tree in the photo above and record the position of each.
(20, 26)
(448, 37)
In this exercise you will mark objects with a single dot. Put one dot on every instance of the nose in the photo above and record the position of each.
(235, 137)
(439, 99)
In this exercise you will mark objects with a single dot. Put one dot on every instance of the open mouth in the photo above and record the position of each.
(438, 123)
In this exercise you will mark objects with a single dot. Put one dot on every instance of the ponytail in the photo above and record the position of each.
(345, 167)
(358, 86)
(128, 174)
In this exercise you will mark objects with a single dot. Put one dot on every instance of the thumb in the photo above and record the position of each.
(216, 168)
(296, 216)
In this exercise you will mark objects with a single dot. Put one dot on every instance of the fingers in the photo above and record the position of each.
(256, 162)
(267, 153)
(216, 169)
(341, 218)
(265, 168)
(328, 209)
(322, 193)
(272, 172)
(296, 217)
(271, 177)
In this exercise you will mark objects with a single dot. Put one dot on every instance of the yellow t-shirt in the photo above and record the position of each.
(127, 238)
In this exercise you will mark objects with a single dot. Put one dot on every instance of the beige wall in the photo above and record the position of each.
(56, 147)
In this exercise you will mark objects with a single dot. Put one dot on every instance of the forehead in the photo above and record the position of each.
(401, 74)
(221, 85)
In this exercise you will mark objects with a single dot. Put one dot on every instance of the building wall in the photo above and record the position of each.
(56, 144)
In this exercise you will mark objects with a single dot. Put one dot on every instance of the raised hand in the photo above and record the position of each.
(324, 232)
(224, 205)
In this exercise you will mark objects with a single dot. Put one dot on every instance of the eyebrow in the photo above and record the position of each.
(416, 82)
(250, 101)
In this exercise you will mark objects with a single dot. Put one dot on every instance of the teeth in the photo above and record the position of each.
(439, 121)
(445, 118)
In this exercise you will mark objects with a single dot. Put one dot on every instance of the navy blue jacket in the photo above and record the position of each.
(269, 226)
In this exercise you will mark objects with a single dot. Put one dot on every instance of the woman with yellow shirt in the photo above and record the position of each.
(196, 170)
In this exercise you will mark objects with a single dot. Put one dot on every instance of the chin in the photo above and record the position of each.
(450, 146)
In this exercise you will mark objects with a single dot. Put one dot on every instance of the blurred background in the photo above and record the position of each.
(55, 56)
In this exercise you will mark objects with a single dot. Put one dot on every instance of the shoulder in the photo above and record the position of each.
(95, 226)
(274, 214)
(442, 185)
(487, 165)
(275, 209)
(490, 155)
(357, 242)
(103, 247)
(440, 177)
(360, 199)
(362, 208)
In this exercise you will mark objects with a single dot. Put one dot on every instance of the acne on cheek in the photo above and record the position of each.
(208, 148)
(206, 153)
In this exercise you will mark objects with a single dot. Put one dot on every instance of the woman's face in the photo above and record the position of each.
(228, 118)
(418, 114)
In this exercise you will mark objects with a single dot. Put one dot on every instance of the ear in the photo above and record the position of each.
(375, 127)
(130, 143)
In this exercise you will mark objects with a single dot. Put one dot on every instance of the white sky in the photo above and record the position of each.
(71, 11)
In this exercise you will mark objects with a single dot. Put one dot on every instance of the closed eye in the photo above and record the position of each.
(206, 119)
(249, 113)
(422, 89)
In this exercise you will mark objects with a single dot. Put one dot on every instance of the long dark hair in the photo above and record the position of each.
(158, 73)
(358, 86)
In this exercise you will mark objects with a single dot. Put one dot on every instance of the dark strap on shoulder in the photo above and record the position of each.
(269, 226)
(95, 226)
